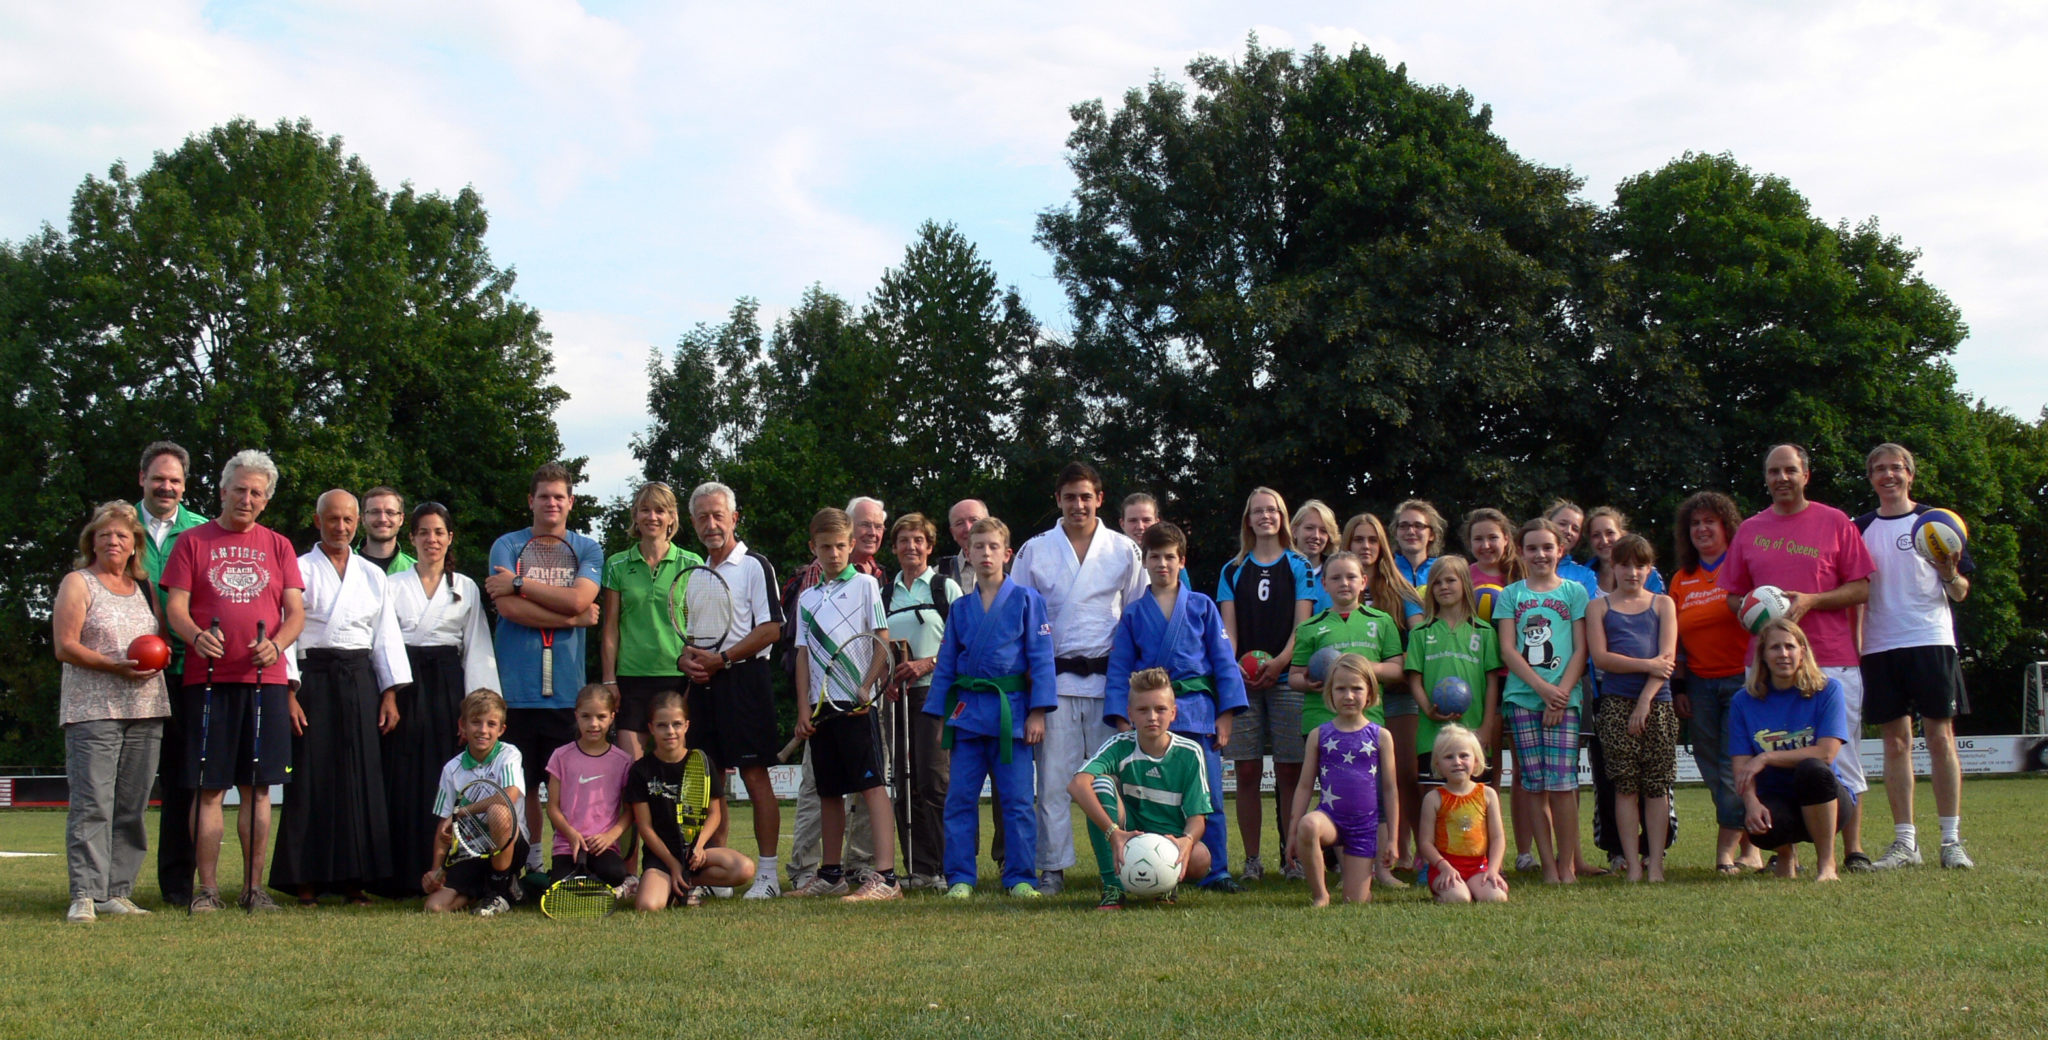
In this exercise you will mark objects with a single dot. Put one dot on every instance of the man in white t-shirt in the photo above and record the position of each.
(1909, 658)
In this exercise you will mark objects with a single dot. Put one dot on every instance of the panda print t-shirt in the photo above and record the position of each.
(1541, 633)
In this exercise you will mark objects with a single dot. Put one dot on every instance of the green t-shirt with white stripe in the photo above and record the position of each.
(1159, 794)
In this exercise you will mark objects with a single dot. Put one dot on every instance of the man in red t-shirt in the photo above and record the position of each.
(1815, 553)
(223, 580)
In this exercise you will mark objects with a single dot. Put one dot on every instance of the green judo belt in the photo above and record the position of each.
(1002, 686)
(1198, 684)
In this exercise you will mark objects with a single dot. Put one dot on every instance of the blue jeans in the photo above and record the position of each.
(1711, 740)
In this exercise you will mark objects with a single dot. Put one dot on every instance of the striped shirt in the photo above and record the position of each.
(1161, 794)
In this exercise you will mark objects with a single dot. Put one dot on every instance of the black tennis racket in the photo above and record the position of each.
(700, 608)
(547, 560)
(579, 896)
(483, 824)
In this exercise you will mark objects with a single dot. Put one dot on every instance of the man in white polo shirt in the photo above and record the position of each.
(732, 707)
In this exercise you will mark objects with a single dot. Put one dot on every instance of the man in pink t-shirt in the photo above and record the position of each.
(226, 582)
(1816, 554)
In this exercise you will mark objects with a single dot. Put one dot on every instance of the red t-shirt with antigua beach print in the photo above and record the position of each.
(239, 577)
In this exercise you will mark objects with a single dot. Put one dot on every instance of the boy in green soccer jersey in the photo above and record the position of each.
(1146, 780)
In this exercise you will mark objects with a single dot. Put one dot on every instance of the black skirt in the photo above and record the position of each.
(426, 737)
(334, 836)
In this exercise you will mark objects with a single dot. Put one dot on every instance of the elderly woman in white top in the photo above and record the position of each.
(112, 709)
(441, 616)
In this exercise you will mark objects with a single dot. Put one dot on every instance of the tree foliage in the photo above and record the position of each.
(254, 288)
(1315, 274)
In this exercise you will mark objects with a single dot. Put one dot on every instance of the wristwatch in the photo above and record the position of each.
(518, 584)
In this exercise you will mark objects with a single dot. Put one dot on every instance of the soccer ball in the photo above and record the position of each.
(1764, 604)
(1939, 535)
(1151, 865)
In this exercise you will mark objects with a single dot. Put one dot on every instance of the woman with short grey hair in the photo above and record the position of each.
(112, 709)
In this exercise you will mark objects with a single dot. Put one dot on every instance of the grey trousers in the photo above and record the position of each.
(110, 764)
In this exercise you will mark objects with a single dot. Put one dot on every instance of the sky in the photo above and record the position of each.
(646, 164)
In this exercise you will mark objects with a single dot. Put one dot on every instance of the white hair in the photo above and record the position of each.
(255, 462)
(710, 488)
(863, 500)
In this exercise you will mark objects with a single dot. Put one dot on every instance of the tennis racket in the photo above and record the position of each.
(854, 676)
(693, 809)
(580, 896)
(700, 608)
(547, 560)
(484, 822)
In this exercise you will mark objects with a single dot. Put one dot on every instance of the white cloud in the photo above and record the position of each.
(646, 164)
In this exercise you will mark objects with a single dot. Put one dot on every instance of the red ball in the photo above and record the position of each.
(1252, 662)
(150, 652)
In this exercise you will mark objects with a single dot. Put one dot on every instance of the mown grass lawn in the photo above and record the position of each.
(1917, 953)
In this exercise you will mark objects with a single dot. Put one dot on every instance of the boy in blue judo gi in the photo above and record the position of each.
(1180, 630)
(993, 684)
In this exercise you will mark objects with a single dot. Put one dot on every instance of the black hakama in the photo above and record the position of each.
(334, 836)
(427, 736)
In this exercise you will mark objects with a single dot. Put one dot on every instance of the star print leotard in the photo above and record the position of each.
(1348, 771)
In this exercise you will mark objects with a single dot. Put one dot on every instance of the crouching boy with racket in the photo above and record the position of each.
(841, 660)
(993, 684)
(1145, 780)
(678, 799)
(482, 837)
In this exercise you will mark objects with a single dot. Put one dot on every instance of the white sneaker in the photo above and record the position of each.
(81, 911)
(492, 906)
(1052, 882)
(1296, 872)
(1525, 862)
(1902, 853)
(765, 887)
(722, 891)
(117, 906)
(1254, 869)
(1955, 857)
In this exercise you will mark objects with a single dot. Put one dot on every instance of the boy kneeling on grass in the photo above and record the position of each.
(1146, 780)
(489, 884)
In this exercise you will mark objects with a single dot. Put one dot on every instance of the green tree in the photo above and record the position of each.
(952, 341)
(1733, 320)
(1315, 274)
(255, 288)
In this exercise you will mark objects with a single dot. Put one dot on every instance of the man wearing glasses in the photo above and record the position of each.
(383, 515)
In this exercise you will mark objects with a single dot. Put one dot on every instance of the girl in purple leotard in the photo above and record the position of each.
(1351, 760)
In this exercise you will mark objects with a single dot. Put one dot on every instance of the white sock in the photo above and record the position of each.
(1951, 829)
(1907, 833)
(767, 869)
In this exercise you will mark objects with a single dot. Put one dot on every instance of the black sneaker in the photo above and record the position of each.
(1858, 863)
(1226, 884)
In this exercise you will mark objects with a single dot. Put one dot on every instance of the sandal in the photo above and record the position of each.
(308, 898)
(1728, 868)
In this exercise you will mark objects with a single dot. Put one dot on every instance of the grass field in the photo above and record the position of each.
(1917, 953)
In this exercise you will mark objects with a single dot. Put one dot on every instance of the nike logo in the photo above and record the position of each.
(587, 779)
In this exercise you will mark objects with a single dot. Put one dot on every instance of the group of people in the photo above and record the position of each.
(1082, 668)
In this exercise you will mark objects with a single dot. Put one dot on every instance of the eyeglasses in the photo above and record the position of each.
(384, 512)
(1411, 525)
